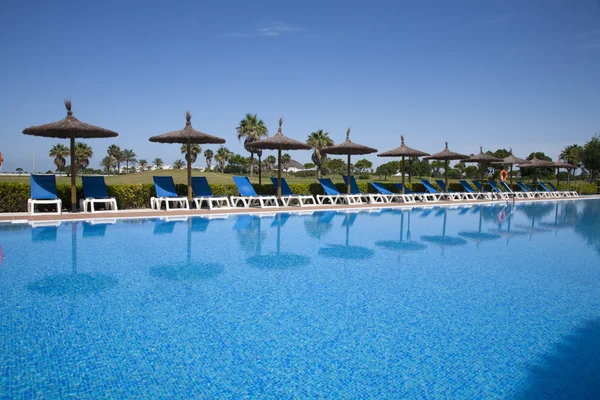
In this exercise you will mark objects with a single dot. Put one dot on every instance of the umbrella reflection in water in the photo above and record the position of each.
(478, 236)
(74, 283)
(443, 240)
(347, 251)
(278, 259)
(191, 270)
(505, 216)
(402, 246)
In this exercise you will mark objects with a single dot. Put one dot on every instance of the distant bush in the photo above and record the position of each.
(364, 176)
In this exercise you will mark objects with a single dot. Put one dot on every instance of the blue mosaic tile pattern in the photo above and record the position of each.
(465, 302)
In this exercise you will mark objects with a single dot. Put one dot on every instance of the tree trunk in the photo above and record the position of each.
(251, 165)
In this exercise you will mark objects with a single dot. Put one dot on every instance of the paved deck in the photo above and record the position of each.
(149, 213)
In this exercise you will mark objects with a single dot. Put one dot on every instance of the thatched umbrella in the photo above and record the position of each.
(536, 163)
(403, 151)
(187, 136)
(558, 165)
(481, 159)
(348, 148)
(70, 128)
(510, 160)
(446, 155)
(279, 142)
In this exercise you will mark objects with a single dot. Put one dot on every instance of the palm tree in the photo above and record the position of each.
(195, 149)
(208, 155)
(108, 162)
(572, 155)
(222, 156)
(143, 164)
(285, 162)
(251, 129)
(129, 157)
(270, 162)
(114, 152)
(319, 140)
(158, 162)
(59, 152)
(178, 164)
(83, 153)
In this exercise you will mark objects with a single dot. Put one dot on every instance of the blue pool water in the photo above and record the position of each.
(474, 302)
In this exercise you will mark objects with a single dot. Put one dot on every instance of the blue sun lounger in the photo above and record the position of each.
(507, 191)
(288, 198)
(366, 197)
(334, 196)
(94, 191)
(425, 197)
(433, 191)
(404, 197)
(530, 193)
(474, 193)
(165, 192)
(568, 193)
(203, 193)
(248, 196)
(460, 195)
(43, 191)
(553, 193)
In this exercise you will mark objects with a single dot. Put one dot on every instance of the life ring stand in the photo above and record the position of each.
(503, 175)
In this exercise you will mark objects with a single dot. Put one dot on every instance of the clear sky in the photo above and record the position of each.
(520, 74)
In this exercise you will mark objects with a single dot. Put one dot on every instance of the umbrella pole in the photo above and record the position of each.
(511, 174)
(348, 174)
(259, 170)
(189, 171)
(73, 172)
(446, 173)
(402, 174)
(279, 174)
(558, 177)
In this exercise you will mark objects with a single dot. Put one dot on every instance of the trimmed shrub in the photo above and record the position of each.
(13, 196)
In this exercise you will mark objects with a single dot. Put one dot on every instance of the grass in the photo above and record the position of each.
(180, 176)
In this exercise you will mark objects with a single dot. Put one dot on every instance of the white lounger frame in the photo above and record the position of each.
(254, 201)
(300, 200)
(32, 202)
(212, 202)
(339, 198)
(110, 204)
(182, 202)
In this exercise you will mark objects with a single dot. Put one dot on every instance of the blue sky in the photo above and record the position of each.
(493, 73)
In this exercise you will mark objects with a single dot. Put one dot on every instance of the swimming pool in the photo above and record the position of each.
(475, 302)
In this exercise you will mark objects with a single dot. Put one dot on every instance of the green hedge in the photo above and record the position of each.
(14, 196)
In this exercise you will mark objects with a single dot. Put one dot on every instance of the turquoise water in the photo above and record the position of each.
(473, 302)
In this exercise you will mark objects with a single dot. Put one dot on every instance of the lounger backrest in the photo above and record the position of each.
(531, 187)
(523, 187)
(442, 185)
(406, 190)
(43, 187)
(466, 185)
(328, 186)
(551, 185)
(478, 185)
(94, 187)
(353, 186)
(164, 185)
(379, 187)
(544, 187)
(201, 187)
(428, 186)
(244, 186)
(285, 188)
(505, 186)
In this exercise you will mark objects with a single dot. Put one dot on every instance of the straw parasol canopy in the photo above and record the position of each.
(70, 128)
(510, 160)
(403, 151)
(482, 159)
(348, 148)
(446, 155)
(536, 163)
(279, 142)
(187, 136)
(558, 165)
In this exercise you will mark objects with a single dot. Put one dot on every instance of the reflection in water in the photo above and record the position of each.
(478, 236)
(347, 251)
(402, 246)
(504, 218)
(44, 233)
(443, 240)
(74, 283)
(588, 225)
(190, 270)
(320, 224)
(248, 232)
(279, 259)
(535, 211)
(96, 228)
(562, 220)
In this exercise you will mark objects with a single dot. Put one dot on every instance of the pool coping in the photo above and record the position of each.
(24, 218)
